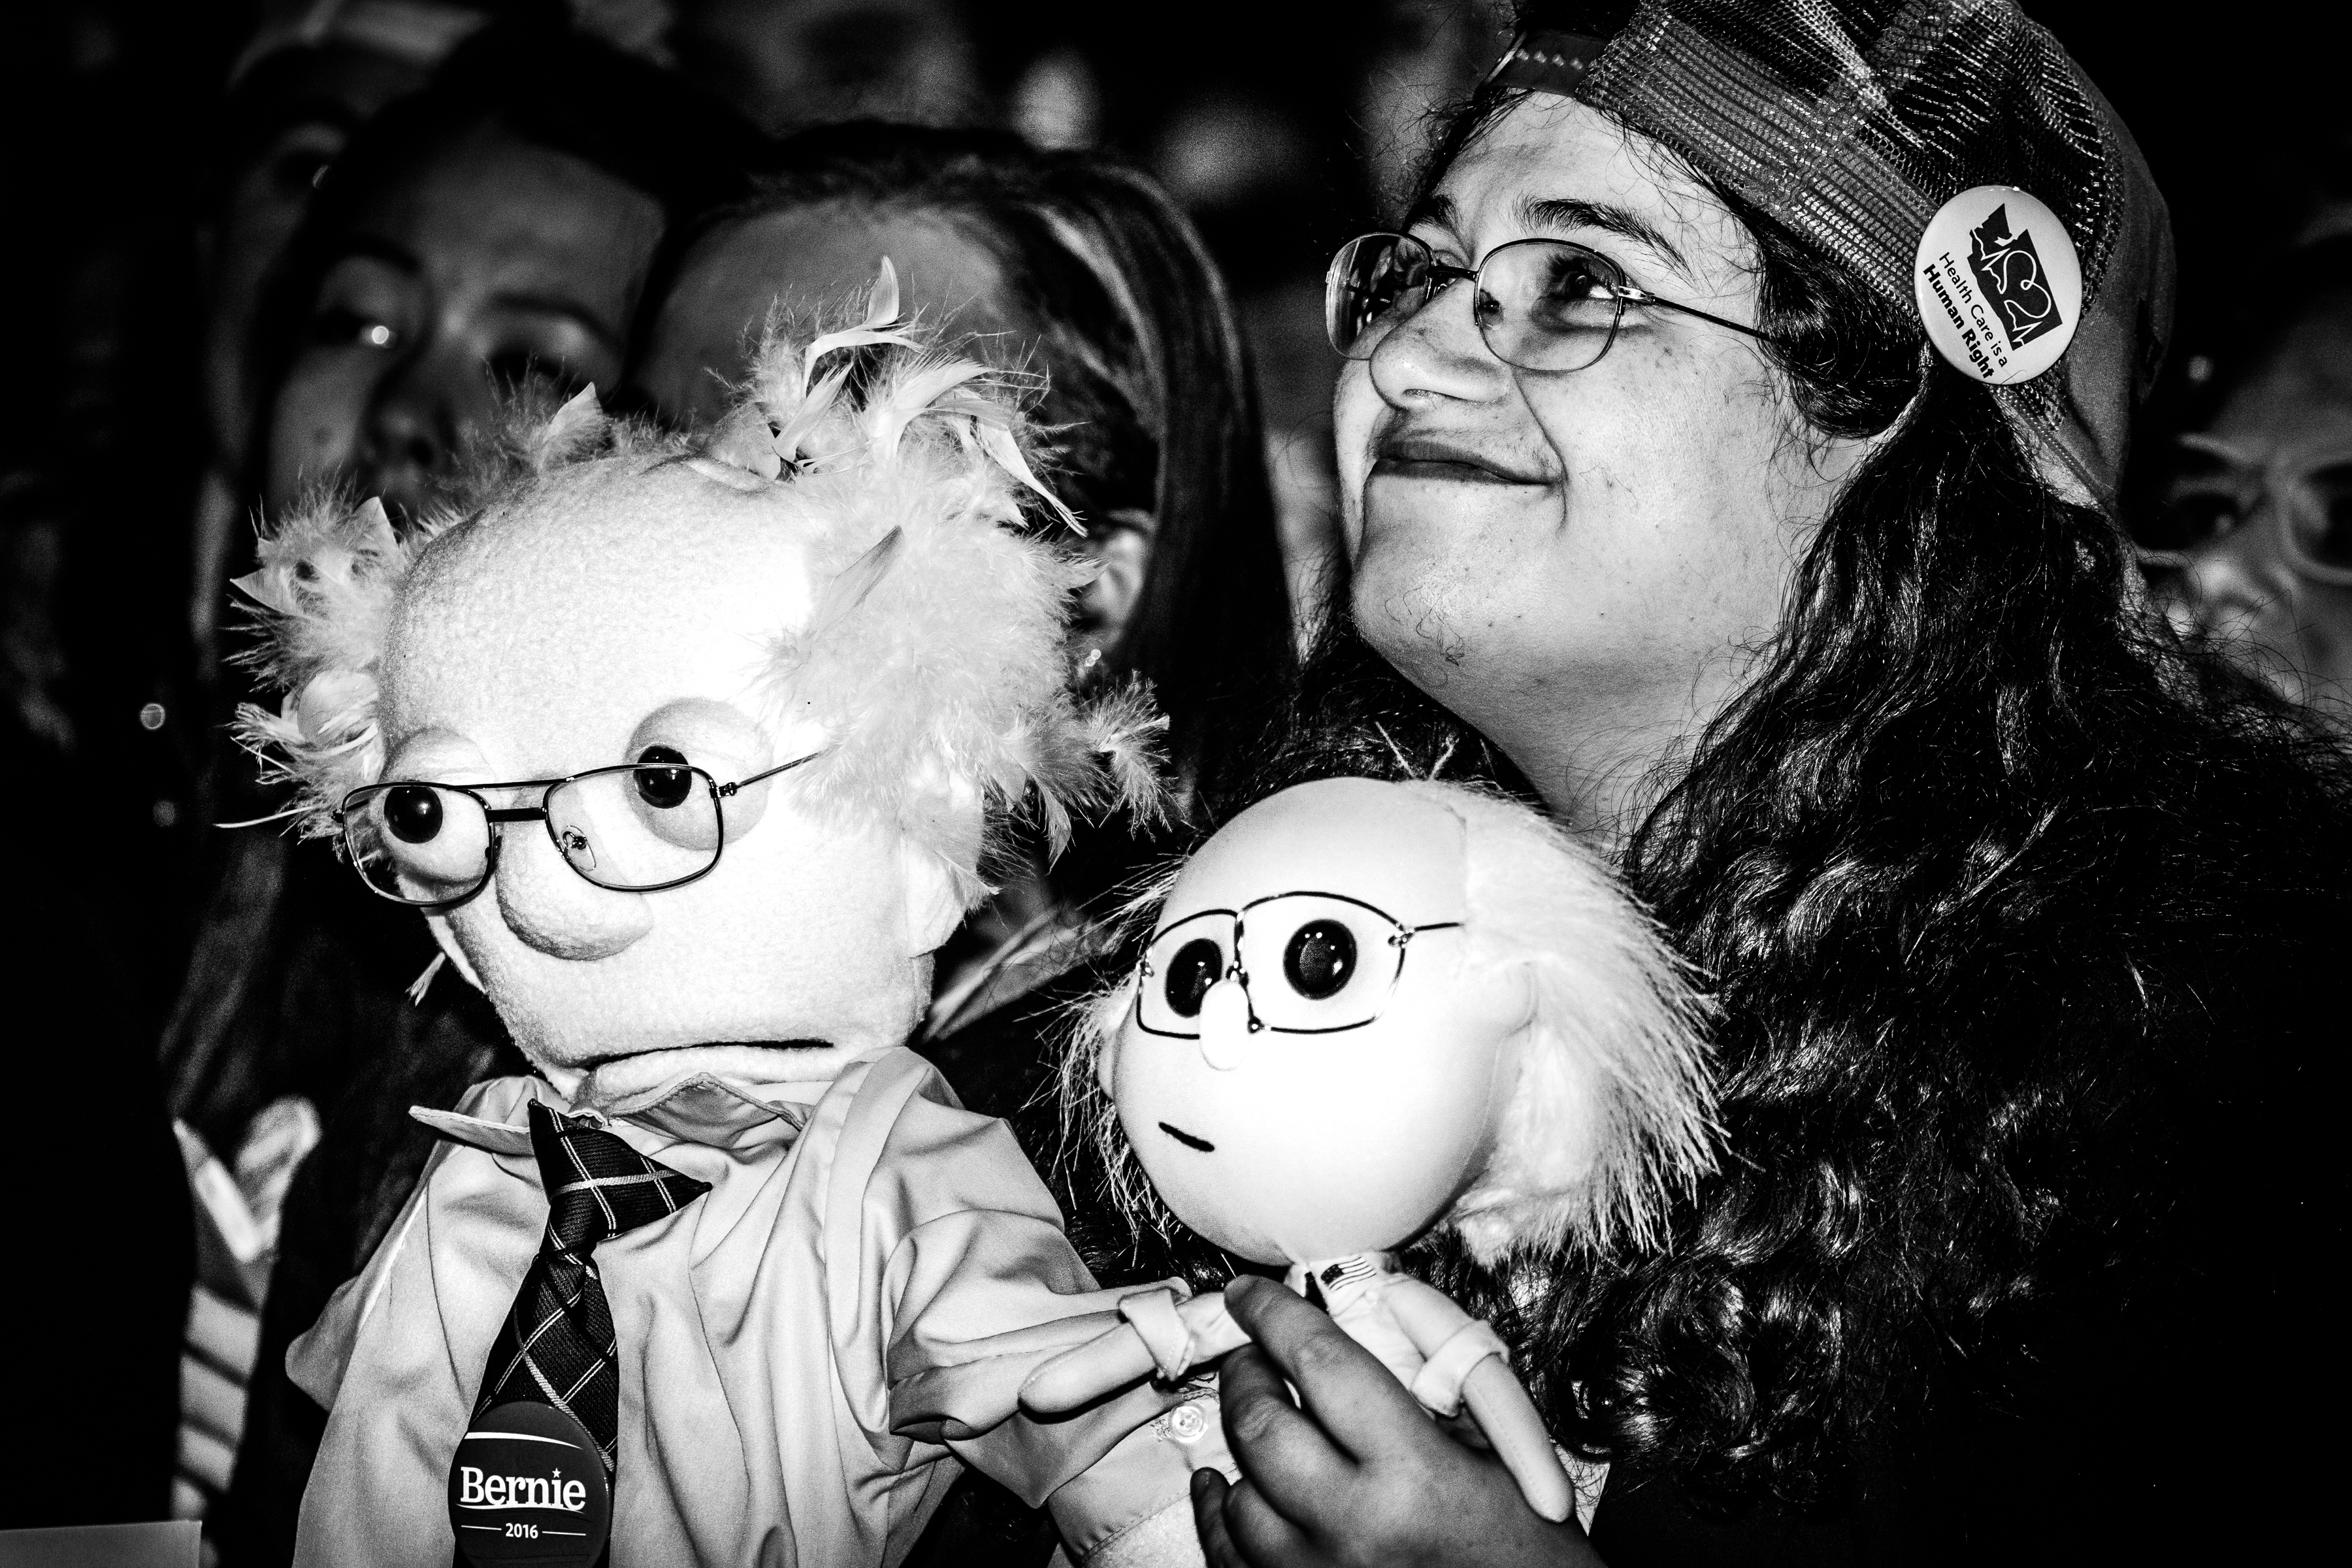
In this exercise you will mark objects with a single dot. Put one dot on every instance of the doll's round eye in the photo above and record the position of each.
(661, 777)
(1198, 966)
(412, 812)
(1319, 960)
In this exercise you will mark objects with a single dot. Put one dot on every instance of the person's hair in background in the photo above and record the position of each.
(1099, 284)
(2248, 539)
(2014, 908)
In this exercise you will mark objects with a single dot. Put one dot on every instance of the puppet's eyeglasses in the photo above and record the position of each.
(1310, 963)
(1540, 304)
(635, 828)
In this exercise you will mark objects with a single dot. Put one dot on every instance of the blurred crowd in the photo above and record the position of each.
(260, 248)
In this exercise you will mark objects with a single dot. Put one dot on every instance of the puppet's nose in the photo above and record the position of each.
(1225, 1024)
(560, 913)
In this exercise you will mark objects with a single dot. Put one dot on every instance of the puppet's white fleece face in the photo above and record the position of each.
(1284, 1146)
(617, 613)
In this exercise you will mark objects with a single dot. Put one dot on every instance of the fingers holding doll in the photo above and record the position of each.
(1351, 1471)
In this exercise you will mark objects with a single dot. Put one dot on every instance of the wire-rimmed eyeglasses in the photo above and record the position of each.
(1325, 962)
(1541, 304)
(2305, 496)
(635, 828)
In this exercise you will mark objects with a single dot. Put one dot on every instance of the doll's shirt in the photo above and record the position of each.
(805, 1350)
(1351, 1289)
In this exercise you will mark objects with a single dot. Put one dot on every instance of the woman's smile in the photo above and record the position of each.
(1404, 454)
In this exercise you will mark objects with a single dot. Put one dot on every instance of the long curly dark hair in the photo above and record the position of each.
(2013, 905)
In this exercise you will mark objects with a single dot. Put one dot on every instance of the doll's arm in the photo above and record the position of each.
(1464, 1363)
(1161, 1333)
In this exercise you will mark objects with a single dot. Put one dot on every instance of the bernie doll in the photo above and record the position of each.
(1367, 1011)
(690, 753)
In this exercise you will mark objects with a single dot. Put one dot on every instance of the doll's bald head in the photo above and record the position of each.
(1367, 1009)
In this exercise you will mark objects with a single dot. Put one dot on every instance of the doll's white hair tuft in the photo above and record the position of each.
(1612, 1113)
(934, 665)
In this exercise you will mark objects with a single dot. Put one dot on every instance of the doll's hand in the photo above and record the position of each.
(1358, 1475)
(1104, 1364)
(1187, 1334)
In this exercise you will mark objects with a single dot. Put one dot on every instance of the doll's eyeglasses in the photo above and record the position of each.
(1321, 962)
(1540, 304)
(635, 828)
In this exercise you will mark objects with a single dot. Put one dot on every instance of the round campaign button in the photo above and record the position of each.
(1998, 286)
(527, 1486)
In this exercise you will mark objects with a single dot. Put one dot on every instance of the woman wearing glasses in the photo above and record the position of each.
(2013, 908)
(2251, 543)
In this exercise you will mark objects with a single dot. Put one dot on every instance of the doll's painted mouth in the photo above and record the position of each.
(1187, 1140)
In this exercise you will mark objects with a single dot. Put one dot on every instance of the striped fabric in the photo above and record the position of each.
(556, 1346)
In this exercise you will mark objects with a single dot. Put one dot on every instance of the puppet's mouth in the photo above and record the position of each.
(1187, 1140)
(593, 1063)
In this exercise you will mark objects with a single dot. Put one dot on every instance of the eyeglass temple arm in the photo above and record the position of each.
(729, 789)
(1632, 296)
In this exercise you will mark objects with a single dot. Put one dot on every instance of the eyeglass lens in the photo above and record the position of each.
(2316, 516)
(1315, 963)
(1541, 304)
(632, 829)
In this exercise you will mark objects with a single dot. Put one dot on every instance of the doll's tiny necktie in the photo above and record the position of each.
(557, 1346)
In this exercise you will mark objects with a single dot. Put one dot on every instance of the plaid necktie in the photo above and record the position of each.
(557, 1345)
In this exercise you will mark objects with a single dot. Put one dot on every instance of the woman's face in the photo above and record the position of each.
(800, 259)
(318, 98)
(2256, 530)
(494, 261)
(1577, 564)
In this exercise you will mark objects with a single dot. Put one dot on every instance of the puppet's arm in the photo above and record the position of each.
(1162, 1333)
(1464, 1363)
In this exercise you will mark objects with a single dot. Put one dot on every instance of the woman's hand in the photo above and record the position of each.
(1359, 1475)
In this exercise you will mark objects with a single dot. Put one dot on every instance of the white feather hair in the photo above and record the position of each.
(935, 661)
(1614, 1014)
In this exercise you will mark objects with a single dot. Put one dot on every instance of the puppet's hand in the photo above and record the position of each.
(1358, 1475)
(1160, 1333)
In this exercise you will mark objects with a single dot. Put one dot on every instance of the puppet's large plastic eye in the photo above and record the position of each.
(412, 812)
(1198, 964)
(662, 779)
(1319, 960)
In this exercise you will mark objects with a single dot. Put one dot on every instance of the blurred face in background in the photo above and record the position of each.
(294, 112)
(805, 259)
(800, 62)
(2252, 546)
(802, 259)
(490, 262)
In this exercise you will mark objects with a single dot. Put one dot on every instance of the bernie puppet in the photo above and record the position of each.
(690, 753)
(1368, 1010)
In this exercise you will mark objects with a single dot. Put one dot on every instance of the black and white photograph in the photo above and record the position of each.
(1324, 783)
